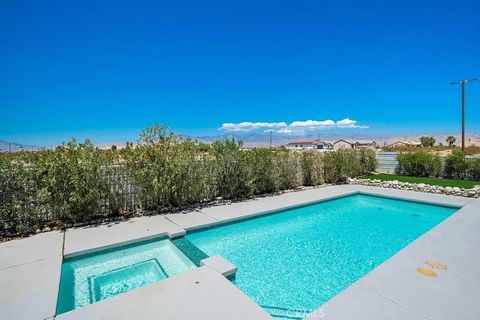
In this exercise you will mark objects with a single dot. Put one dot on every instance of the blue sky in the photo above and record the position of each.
(106, 70)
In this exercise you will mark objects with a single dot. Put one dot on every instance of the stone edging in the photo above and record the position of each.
(471, 193)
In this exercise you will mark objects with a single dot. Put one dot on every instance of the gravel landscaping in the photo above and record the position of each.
(472, 193)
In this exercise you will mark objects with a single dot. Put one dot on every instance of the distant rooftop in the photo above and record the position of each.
(306, 141)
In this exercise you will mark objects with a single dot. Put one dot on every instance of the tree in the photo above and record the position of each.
(451, 140)
(427, 141)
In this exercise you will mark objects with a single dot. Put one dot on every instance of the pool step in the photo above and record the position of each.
(221, 265)
(125, 279)
(190, 250)
(285, 313)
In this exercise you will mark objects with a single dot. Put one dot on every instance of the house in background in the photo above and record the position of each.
(404, 143)
(354, 144)
(365, 144)
(314, 144)
(343, 144)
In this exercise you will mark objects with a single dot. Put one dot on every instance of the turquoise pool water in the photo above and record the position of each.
(294, 261)
(93, 277)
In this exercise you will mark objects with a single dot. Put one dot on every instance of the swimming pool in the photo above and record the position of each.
(292, 262)
(96, 276)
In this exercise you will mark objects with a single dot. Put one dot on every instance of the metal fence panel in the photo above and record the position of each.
(387, 162)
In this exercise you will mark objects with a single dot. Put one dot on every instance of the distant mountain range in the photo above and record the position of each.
(6, 146)
(263, 139)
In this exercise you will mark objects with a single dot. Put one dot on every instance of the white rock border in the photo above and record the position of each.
(395, 184)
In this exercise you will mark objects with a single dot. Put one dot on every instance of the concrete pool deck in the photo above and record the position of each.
(30, 268)
(199, 294)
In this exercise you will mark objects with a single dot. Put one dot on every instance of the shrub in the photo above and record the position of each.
(18, 213)
(68, 180)
(289, 169)
(118, 183)
(342, 164)
(368, 161)
(168, 171)
(312, 168)
(262, 170)
(474, 169)
(230, 169)
(78, 182)
(455, 165)
(421, 164)
(335, 165)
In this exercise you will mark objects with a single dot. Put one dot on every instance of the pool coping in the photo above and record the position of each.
(88, 239)
(215, 219)
(370, 292)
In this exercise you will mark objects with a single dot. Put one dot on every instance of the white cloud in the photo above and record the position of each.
(296, 127)
(312, 124)
(348, 123)
(250, 126)
(300, 127)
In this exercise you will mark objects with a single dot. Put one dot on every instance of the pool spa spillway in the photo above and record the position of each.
(293, 261)
(96, 276)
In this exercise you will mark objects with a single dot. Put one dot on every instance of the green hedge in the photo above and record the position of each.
(455, 165)
(419, 164)
(474, 169)
(78, 182)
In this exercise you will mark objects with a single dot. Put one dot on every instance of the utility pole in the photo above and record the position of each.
(270, 139)
(462, 83)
